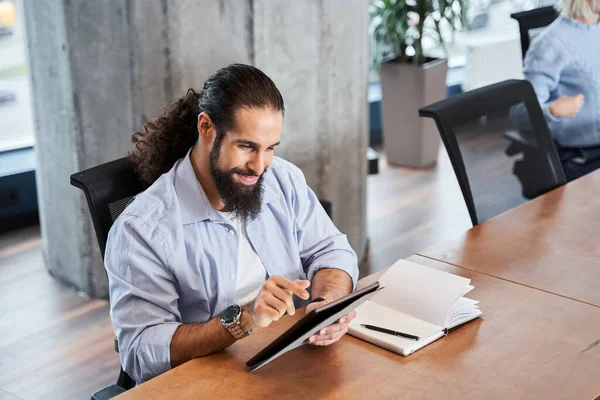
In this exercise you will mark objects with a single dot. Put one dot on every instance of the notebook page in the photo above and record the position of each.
(378, 315)
(463, 310)
(422, 292)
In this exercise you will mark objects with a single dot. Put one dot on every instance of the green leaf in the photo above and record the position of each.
(390, 29)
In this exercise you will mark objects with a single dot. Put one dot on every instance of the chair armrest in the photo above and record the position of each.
(108, 392)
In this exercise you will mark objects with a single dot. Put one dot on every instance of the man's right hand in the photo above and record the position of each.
(566, 106)
(275, 298)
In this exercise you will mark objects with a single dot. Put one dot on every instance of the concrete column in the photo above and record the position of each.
(99, 69)
(82, 78)
(206, 35)
(316, 51)
(179, 43)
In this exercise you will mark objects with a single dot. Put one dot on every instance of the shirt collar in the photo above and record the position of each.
(194, 203)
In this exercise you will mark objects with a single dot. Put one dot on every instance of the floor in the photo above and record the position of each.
(54, 343)
(57, 344)
(411, 209)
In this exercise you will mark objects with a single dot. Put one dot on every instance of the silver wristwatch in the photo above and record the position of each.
(231, 319)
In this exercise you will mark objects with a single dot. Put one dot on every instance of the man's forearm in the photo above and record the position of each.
(197, 340)
(331, 284)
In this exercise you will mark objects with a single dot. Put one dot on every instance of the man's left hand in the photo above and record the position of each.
(332, 333)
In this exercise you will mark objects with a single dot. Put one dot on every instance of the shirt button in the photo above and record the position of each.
(232, 276)
(231, 232)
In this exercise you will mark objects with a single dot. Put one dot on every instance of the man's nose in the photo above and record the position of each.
(257, 163)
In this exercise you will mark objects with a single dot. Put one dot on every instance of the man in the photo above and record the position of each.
(225, 235)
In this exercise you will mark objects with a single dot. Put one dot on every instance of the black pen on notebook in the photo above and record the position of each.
(390, 332)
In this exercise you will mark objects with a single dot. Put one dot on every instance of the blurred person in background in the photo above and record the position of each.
(8, 15)
(563, 65)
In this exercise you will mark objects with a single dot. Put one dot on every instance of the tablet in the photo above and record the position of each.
(310, 324)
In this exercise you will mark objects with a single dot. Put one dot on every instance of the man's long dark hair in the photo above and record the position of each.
(169, 137)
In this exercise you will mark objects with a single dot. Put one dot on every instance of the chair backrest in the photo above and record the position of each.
(500, 146)
(108, 188)
(533, 19)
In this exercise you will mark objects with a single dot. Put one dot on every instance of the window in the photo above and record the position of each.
(16, 121)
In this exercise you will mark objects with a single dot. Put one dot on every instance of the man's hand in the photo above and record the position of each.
(275, 298)
(566, 106)
(333, 332)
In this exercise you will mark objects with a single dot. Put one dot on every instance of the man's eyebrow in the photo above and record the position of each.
(247, 142)
(253, 144)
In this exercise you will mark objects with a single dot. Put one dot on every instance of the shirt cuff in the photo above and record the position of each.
(334, 260)
(549, 116)
(153, 352)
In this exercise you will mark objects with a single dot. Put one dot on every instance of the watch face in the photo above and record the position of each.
(229, 314)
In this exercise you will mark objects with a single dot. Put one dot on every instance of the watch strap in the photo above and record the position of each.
(237, 332)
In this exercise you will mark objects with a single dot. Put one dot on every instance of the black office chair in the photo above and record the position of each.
(533, 19)
(500, 146)
(108, 189)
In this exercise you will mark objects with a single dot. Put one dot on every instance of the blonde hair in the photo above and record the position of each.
(587, 9)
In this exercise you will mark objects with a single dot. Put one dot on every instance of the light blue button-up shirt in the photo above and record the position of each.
(171, 258)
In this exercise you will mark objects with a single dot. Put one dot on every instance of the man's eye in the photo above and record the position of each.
(271, 149)
(244, 146)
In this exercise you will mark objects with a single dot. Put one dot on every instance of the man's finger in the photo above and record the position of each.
(266, 312)
(303, 283)
(330, 335)
(292, 286)
(349, 317)
(275, 304)
(333, 328)
(286, 297)
(324, 342)
(322, 338)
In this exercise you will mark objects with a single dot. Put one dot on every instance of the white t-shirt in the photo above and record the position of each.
(251, 273)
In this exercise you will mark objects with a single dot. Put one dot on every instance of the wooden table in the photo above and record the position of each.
(529, 345)
(551, 243)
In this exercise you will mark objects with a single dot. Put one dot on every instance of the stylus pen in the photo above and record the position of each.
(391, 332)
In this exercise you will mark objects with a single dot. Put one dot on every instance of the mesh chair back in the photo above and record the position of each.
(499, 145)
(108, 189)
(531, 21)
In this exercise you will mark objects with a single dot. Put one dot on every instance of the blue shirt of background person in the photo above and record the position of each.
(563, 65)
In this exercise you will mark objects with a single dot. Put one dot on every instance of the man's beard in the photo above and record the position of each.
(242, 200)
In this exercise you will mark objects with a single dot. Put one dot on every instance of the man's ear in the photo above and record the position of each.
(206, 128)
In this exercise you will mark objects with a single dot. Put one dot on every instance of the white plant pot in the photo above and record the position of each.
(410, 140)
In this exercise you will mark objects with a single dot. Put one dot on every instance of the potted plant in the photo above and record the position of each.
(409, 79)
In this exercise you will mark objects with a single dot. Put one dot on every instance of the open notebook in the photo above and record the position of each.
(417, 300)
